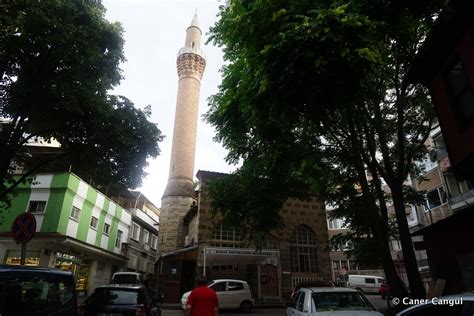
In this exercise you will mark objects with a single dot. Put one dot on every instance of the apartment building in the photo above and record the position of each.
(78, 229)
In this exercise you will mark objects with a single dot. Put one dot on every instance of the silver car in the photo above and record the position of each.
(331, 301)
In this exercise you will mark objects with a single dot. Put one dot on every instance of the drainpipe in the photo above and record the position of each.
(204, 263)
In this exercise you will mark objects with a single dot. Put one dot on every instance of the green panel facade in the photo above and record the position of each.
(70, 183)
(86, 214)
(19, 205)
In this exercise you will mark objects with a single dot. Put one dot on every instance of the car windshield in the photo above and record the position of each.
(334, 301)
(125, 279)
(35, 295)
(110, 296)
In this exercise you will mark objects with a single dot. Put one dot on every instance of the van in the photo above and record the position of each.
(36, 291)
(365, 283)
(127, 278)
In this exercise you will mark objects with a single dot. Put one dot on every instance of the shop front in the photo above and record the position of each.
(13, 257)
(90, 265)
(78, 267)
(261, 269)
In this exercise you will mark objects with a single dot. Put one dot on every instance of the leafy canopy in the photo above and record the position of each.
(58, 62)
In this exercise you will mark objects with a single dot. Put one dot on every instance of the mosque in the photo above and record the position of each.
(191, 242)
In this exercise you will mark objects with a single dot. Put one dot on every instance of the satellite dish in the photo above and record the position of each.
(433, 155)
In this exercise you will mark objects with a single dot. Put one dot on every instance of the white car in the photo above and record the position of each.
(230, 294)
(453, 305)
(331, 301)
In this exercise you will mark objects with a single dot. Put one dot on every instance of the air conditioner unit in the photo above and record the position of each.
(187, 241)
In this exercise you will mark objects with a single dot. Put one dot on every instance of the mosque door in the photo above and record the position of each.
(269, 280)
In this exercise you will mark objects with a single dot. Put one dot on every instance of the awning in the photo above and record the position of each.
(188, 253)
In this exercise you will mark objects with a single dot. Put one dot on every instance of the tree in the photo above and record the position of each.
(58, 61)
(314, 94)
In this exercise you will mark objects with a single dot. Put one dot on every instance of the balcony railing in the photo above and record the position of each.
(462, 200)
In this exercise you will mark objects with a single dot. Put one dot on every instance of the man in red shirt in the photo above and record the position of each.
(202, 301)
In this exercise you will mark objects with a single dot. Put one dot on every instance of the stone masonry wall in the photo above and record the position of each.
(173, 209)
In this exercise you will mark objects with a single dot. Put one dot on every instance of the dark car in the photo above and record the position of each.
(384, 290)
(122, 299)
(36, 291)
(308, 285)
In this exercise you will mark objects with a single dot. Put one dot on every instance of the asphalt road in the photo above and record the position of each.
(376, 300)
(255, 312)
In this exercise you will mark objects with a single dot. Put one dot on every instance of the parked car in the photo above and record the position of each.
(452, 305)
(231, 294)
(127, 278)
(365, 283)
(120, 299)
(308, 284)
(332, 301)
(36, 291)
(384, 290)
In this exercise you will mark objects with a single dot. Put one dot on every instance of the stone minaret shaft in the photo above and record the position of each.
(190, 64)
(179, 193)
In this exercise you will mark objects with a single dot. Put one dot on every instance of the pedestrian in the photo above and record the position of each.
(202, 301)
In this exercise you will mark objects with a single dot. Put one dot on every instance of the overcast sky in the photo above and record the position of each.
(154, 32)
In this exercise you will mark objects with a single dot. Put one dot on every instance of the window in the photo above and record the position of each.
(235, 286)
(118, 240)
(225, 237)
(117, 296)
(37, 206)
(94, 222)
(132, 263)
(426, 164)
(435, 198)
(370, 280)
(461, 91)
(75, 213)
(135, 231)
(395, 245)
(106, 229)
(300, 301)
(270, 242)
(146, 237)
(154, 241)
(336, 223)
(218, 287)
(37, 294)
(303, 250)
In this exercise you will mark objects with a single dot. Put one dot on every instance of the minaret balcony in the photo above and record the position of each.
(192, 50)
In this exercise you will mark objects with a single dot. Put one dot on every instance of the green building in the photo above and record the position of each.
(78, 229)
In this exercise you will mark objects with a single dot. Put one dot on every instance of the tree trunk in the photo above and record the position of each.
(397, 289)
(417, 290)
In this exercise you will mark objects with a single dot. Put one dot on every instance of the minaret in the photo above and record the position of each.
(179, 193)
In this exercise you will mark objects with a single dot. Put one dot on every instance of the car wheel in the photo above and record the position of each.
(246, 307)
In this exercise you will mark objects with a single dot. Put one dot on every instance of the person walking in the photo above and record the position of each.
(202, 301)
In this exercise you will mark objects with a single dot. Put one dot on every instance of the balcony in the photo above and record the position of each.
(462, 200)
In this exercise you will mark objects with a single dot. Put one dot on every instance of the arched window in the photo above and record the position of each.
(303, 250)
(270, 242)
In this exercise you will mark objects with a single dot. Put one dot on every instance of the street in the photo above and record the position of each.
(263, 311)
(376, 300)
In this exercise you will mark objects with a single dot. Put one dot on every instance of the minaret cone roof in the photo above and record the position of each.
(195, 21)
